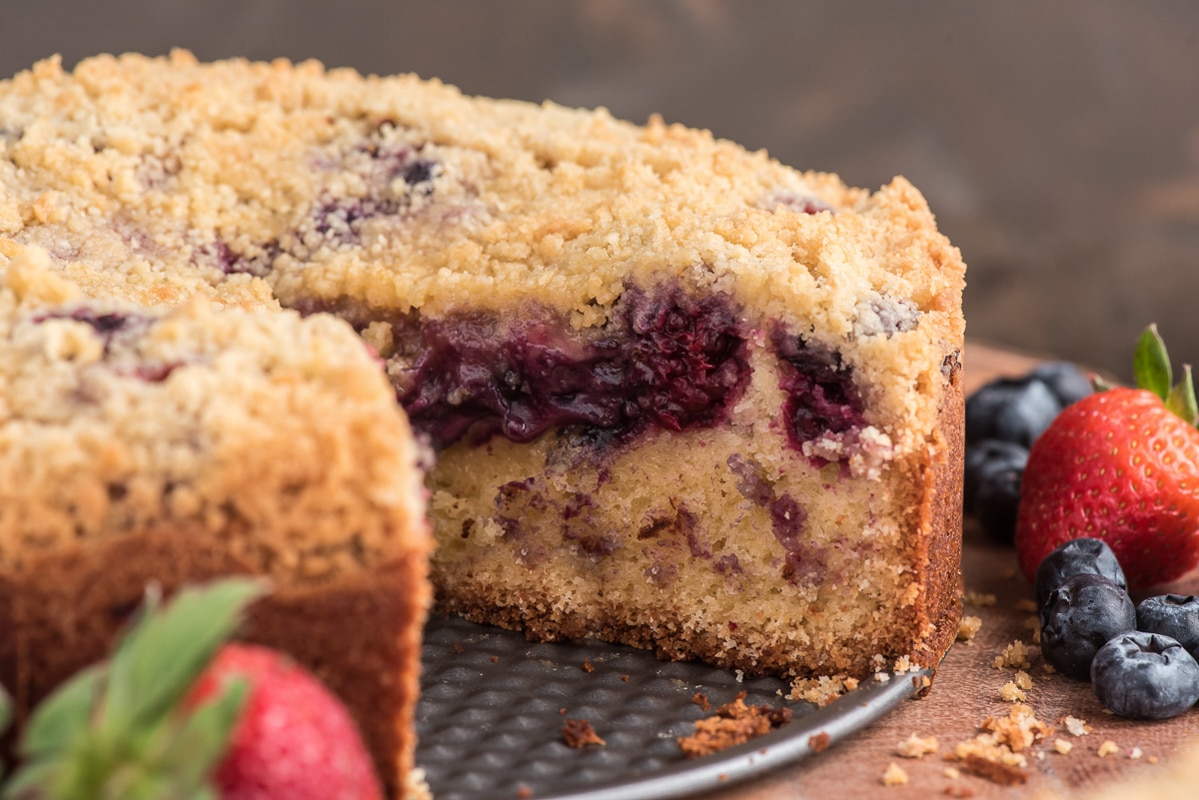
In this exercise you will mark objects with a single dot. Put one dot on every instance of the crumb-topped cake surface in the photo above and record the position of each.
(681, 396)
(272, 183)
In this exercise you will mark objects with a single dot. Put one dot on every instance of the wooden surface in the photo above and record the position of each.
(967, 691)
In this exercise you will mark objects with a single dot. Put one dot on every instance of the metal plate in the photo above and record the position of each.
(493, 705)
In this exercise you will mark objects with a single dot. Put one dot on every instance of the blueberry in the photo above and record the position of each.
(994, 469)
(1012, 409)
(1173, 615)
(1080, 616)
(1142, 675)
(1067, 382)
(1075, 557)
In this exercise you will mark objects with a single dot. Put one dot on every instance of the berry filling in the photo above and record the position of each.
(665, 360)
(821, 395)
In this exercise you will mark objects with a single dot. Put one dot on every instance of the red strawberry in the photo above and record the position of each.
(294, 739)
(175, 714)
(1121, 465)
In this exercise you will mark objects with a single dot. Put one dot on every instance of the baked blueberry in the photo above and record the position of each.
(1141, 675)
(1067, 382)
(1173, 615)
(1012, 409)
(994, 469)
(1080, 616)
(1075, 557)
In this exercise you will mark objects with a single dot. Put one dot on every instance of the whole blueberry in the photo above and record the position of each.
(994, 469)
(1173, 615)
(1080, 616)
(1012, 409)
(1067, 382)
(1075, 557)
(1141, 675)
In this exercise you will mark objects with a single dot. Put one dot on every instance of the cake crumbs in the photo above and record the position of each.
(624, 678)
(1076, 726)
(996, 753)
(822, 690)
(701, 700)
(587, 666)
(733, 723)
(1015, 655)
(1034, 627)
(968, 627)
(1062, 746)
(524, 792)
(980, 599)
(494, 659)
(904, 664)
(1135, 753)
(917, 746)
(579, 733)
(1108, 748)
(1152, 759)
(953, 773)
(1011, 693)
(894, 776)
(960, 791)
(819, 742)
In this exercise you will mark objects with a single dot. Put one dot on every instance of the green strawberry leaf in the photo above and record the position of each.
(5, 709)
(63, 718)
(1182, 398)
(157, 662)
(33, 781)
(1151, 364)
(198, 745)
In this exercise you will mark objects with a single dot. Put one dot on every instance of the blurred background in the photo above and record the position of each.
(1057, 143)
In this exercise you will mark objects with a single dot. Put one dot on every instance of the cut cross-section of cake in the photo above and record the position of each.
(680, 395)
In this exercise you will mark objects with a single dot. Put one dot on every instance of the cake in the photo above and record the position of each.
(680, 396)
(144, 448)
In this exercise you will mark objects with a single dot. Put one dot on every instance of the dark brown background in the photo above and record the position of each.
(1058, 143)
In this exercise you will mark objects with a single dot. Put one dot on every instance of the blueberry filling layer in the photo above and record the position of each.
(664, 360)
(821, 395)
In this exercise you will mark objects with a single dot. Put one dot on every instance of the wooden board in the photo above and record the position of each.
(967, 691)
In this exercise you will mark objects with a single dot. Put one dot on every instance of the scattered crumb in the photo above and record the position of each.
(980, 599)
(524, 792)
(894, 776)
(1019, 729)
(1062, 746)
(701, 700)
(1015, 655)
(968, 627)
(953, 773)
(915, 746)
(882, 677)
(1023, 680)
(732, 724)
(904, 664)
(822, 690)
(624, 678)
(1135, 753)
(1108, 748)
(587, 667)
(995, 771)
(562, 711)
(1152, 759)
(960, 791)
(740, 675)
(1026, 604)
(495, 659)
(1076, 726)
(819, 743)
(1047, 667)
(457, 647)
(1011, 693)
(579, 733)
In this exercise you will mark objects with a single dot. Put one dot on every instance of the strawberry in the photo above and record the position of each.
(175, 713)
(294, 740)
(1121, 465)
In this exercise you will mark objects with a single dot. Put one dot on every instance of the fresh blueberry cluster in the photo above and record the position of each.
(1140, 660)
(1003, 418)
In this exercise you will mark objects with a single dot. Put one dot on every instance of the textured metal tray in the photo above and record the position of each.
(493, 705)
